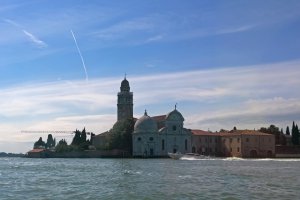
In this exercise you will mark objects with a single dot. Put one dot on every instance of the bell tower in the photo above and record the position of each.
(125, 101)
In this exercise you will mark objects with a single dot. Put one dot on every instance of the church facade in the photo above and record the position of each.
(156, 136)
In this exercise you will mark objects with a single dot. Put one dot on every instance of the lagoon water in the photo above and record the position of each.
(24, 178)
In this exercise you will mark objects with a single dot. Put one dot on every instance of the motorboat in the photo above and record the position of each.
(175, 156)
(195, 155)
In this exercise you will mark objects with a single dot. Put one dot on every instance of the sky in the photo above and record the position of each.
(225, 64)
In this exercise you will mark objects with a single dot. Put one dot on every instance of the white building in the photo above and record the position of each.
(156, 136)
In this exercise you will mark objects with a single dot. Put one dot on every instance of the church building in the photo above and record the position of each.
(158, 135)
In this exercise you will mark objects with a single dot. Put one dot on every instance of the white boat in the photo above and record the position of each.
(175, 156)
(195, 156)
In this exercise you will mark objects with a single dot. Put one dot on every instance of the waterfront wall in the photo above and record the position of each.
(287, 151)
(115, 153)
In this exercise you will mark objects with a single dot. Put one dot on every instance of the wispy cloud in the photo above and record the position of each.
(35, 40)
(125, 28)
(32, 38)
(12, 23)
(235, 29)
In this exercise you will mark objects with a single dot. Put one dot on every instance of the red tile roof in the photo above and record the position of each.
(36, 150)
(228, 133)
(251, 132)
(201, 132)
(243, 132)
(159, 118)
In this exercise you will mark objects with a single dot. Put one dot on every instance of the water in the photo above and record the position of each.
(24, 178)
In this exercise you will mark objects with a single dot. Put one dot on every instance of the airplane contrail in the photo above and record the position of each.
(83, 64)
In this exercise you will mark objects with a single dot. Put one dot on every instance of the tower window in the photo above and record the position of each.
(151, 138)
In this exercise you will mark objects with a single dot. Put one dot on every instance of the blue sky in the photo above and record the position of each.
(226, 63)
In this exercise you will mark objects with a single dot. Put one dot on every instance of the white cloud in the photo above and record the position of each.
(35, 40)
(235, 29)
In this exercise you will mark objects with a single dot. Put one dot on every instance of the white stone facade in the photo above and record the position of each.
(148, 141)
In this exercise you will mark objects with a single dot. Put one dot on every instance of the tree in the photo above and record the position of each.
(62, 146)
(62, 142)
(79, 141)
(76, 139)
(83, 136)
(120, 136)
(279, 137)
(50, 141)
(295, 134)
(39, 144)
(287, 132)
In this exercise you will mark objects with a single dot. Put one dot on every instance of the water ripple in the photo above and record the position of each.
(149, 179)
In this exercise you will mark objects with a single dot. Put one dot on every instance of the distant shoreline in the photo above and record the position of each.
(3, 154)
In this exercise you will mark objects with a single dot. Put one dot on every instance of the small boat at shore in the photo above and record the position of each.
(195, 156)
(175, 156)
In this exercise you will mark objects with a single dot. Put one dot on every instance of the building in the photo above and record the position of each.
(235, 143)
(38, 153)
(206, 143)
(156, 136)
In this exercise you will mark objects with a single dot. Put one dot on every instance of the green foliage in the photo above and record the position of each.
(50, 141)
(279, 136)
(62, 142)
(287, 132)
(120, 136)
(39, 144)
(79, 141)
(295, 134)
(62, 146)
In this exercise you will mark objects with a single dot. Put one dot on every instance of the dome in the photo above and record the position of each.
(175, 115)
(145, 124)
(125, 86)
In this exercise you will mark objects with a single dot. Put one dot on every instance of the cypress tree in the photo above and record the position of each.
(295, 134)
(83, 136)
(76, 139)
(50, 141)
(287, 132)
